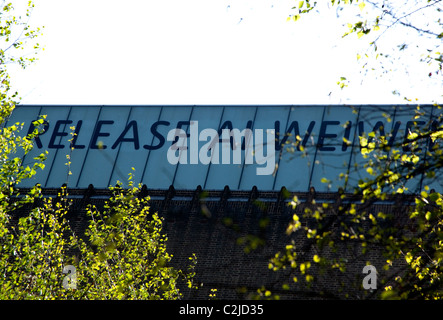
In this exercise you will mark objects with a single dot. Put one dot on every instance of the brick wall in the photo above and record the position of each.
(217, 227)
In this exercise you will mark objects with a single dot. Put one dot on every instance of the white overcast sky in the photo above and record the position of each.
(199, 52)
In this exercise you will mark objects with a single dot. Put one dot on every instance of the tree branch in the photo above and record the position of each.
(398, 20)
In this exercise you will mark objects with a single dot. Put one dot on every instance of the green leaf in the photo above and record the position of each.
(408, 257)
(428, 215)
(324, 180)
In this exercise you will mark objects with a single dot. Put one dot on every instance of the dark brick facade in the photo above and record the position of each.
(220, 227)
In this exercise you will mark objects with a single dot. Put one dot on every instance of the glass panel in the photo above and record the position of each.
(261, 172)
(23, 115)
(124, 137)
(53, 139)
(83, 119)
(221, 175)
(333, 153)
(102, 151)
(434, 180)
(194, 173)
(373, 118)
(296, 161)
(136, 144)
(404, 120)
(159, 172)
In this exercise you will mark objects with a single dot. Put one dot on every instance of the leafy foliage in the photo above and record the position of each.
(15, 34)
(336, 240)
(405, 242)
(123, 254)
(393, 30)
(33, 251)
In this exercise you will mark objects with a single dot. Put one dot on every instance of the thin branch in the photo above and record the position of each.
(26, 24)
(398, 20)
